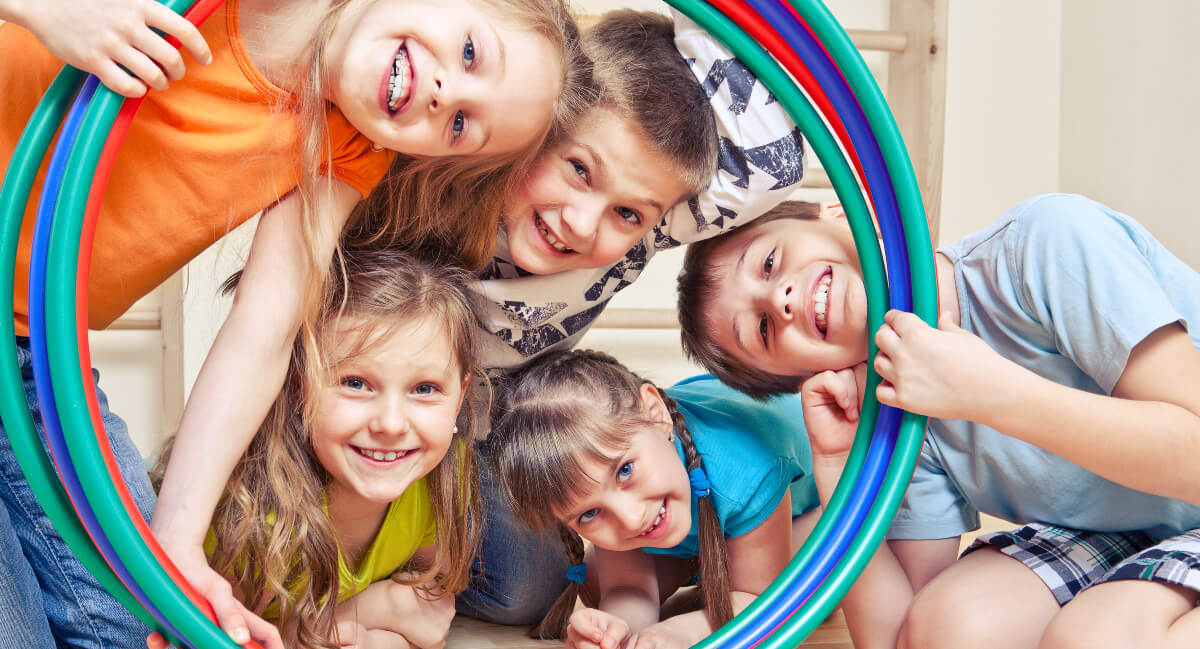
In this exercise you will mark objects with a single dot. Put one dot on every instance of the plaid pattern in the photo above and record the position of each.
(1173, 561)
(1067, 560)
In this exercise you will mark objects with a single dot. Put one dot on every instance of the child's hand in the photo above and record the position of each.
(232, 616)
(422, 620)
(943, 373)
(591, 628)
(831, 401)
(101, 36)
(352, 635)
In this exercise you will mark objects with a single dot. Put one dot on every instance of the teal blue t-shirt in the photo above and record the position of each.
(753, 452)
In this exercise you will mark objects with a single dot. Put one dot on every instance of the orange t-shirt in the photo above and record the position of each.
(201, 157)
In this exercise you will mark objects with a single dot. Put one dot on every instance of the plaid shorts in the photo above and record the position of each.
(1069, 561)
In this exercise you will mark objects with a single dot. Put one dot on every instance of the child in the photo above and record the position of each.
(449, 85)
(1060, 386)
(653, 479)
(344, 484)
(646, 168)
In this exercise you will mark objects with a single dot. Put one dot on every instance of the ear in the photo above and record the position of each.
(652, 404)
(832, 210)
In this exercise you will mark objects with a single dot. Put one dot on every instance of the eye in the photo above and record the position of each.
(625, 472)
(586, 517)
(762, 331)
(354, 383)
(580, 169)
(426, 389)
(459, 125)
(468, 53)
(631, 217)
(769, 264)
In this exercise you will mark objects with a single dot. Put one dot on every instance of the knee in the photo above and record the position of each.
(938, 619)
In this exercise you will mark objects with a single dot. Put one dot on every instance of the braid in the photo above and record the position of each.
(554, 625)
(714, 565)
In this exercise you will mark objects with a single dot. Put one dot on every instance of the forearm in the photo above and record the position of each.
(13, 11)
(235, 388)
(1144, 445)
(636, 607)
(693, 627)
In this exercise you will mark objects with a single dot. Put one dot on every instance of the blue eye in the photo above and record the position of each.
(469, 53)
(580, 170)
(630, 216)
(460, 123)
(625, 471)
(354, 383)
(769, 263)
(426, 389)
(586, 517)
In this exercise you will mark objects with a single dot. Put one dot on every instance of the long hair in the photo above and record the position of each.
(279, 479)
(571, 404)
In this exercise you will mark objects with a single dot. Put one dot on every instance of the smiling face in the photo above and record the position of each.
(791, 299)
(590, 198)
(640, 497)
(387, 417)
(441, 77)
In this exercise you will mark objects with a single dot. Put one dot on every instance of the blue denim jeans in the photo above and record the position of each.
(47, 597)
(517, 574)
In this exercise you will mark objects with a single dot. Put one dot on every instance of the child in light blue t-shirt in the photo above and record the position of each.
(1061, 386)
(655, 479)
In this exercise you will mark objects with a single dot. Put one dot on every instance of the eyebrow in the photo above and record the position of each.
(597, 161)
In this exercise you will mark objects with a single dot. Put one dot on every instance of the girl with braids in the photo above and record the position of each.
(363, 468)
(654, 479)
(297, 112)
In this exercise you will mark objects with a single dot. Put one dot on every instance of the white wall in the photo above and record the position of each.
(1093, 96)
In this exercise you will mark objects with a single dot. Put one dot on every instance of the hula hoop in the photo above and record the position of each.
(818, 55)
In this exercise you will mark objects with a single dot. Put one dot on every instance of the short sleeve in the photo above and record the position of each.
(762, 499)
(933, 507)
(354, 161)
(761, 154)
(1079, 263)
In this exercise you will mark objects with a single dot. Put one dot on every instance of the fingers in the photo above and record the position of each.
(263, 632)
(142, 67)
(119, 81)
(160, 53)
(172, 24)
(946, 322)
(156, 641)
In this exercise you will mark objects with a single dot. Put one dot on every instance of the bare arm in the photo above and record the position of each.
(238, 382)
(952, 374)
(102, 36)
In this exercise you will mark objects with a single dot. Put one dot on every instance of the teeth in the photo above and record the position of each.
(550, 238)
(380, 456)
(400, 79)
(821, 300)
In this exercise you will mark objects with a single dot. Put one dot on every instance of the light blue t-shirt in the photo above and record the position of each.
(753, 452)
(1065, 287)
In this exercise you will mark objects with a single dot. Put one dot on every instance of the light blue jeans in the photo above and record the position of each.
(47, 597)
(518, 574)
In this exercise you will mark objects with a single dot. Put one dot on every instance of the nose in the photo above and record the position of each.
(781, 298)
(390, 417)
(629, 510)
(582, 218)
(440, 96)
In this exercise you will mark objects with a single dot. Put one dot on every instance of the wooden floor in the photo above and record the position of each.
(468, 633)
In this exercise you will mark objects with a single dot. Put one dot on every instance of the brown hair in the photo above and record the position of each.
(698, 284)
(643, 78)
(279, 475)
(569, 404)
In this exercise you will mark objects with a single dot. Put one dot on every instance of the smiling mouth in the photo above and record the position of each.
(399, 88)
(549, 236)
(379, 455)
(662, 512)
(821, 301)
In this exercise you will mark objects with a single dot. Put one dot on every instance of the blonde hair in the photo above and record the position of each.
(566, 405)
(279, 475)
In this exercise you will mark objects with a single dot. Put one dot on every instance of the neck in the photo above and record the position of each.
(356, 522)
(947, 287)
(278, 35)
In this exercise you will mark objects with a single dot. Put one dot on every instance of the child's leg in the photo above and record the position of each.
(1149, 600)
(802, 526)
(517, 574)
(79, 611)
(983, 600)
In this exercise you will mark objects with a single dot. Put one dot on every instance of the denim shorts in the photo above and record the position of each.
(47, 597)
